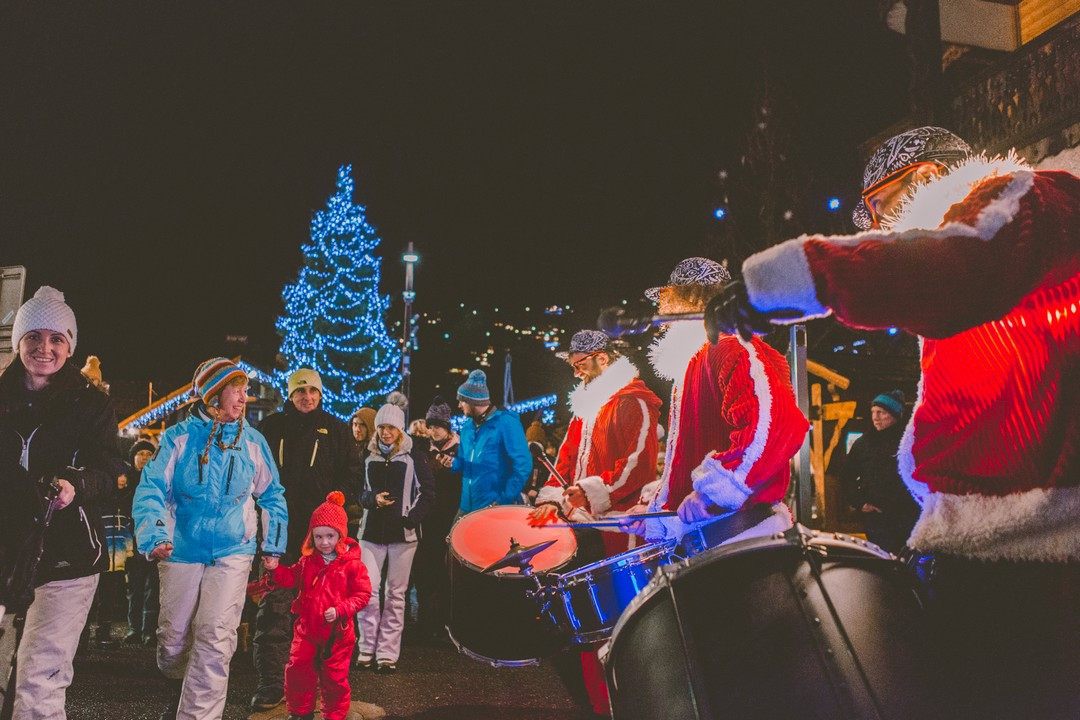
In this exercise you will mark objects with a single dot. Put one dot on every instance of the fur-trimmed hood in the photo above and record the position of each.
(586, 399)
(926, 204)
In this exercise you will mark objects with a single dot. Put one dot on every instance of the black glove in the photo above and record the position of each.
(730, 312)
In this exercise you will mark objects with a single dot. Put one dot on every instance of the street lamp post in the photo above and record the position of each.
(408, 329)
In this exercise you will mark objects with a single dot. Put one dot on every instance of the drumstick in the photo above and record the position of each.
(615, 520)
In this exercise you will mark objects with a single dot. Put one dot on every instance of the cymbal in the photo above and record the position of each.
(518, 556)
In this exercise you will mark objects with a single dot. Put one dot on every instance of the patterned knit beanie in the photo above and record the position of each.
(212, 376)
(45, 311)
(891, 402)
(330, 514)
(475, 390)
(438, 415)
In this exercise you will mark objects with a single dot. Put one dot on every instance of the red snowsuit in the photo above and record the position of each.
(321, 651)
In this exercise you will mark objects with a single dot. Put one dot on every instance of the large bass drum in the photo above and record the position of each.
(496, 617)
(800, 625)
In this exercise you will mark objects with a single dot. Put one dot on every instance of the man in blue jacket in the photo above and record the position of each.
(494, 460)
(195, 511)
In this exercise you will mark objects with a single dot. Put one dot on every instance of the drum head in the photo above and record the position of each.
(482, 537)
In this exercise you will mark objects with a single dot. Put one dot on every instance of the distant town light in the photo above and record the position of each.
(719, 213)
(834, 203)
(893, 331)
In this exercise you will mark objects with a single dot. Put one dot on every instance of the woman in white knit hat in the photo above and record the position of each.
(55, 425)
(398, 490)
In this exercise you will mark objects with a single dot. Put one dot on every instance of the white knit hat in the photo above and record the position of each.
(390, 415)
(45, 311)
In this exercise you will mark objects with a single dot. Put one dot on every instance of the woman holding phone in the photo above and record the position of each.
(398, 490)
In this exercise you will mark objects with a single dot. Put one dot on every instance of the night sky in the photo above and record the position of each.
(161, 161)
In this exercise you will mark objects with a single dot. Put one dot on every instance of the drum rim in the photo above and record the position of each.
(583, 573)
(499, 573)
(666, 574)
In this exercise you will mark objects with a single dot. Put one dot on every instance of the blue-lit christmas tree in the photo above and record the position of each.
(333, 319)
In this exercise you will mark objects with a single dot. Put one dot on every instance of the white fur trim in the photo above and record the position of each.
(780, 521)
(648, 492)
(587, 399)
(672, 351)
(720, 485)
(925, 205)
(1040, 525)
(779, 278)
(597, 493)
(550, 494)
(639, 447)
(905, 457)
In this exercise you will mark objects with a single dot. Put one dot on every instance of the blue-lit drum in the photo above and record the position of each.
(591, 599)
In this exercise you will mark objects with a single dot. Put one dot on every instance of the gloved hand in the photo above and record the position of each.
(730, 312)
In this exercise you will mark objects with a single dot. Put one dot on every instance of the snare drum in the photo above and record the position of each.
(496, 618)
(590, 600)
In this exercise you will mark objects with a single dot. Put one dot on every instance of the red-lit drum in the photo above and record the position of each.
(495, 617)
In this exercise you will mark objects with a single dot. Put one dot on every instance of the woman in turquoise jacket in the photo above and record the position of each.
(494, 459)
(195, 512)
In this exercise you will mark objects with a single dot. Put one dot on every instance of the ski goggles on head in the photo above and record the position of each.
(865, 217)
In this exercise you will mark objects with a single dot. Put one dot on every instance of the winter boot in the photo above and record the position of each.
(267, 698)
(176, 687)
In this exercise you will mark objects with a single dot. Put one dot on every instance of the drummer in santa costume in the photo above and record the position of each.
(733, 422)
(609, 452)
(980, 258)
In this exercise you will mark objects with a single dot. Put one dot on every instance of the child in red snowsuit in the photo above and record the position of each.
(334, 586)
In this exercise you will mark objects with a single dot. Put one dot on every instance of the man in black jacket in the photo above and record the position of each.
(871, 479)
(315, 454)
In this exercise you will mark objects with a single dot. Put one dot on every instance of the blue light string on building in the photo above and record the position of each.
(525, 406)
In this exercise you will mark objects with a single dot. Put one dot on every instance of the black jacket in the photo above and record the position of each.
(444, 509)
(315, 454)
(407, 477)
(871, 475)
(67, 430)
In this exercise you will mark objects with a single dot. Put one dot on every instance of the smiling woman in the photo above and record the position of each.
(57, 427)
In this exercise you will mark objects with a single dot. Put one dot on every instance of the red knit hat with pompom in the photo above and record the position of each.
(330, 514)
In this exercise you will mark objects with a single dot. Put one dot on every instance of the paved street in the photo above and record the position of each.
(432, 683)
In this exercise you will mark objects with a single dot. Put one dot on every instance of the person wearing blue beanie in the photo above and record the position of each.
(494, 460)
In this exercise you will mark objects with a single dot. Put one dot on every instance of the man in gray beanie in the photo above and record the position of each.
(494, 461)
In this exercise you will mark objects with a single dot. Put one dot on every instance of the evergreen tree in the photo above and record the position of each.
(333, 321)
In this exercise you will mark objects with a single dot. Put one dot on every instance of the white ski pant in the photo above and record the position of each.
(380, 628)
(54, 623)
(196, 636)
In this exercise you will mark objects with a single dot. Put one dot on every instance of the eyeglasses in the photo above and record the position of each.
(888, 181)
(578, 363)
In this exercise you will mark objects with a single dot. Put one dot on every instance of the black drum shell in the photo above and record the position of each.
(754, 630)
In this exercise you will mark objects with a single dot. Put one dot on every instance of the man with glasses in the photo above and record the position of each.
(982, 261)
(610, 447)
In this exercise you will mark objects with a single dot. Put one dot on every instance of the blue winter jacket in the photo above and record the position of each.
(494, 461)
(208, 511)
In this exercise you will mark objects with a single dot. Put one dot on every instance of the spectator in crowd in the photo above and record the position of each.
(494, 459)
(418, 428)
(315, 453)
(332, 586)
(429, 570)
(142, 576)
(55, 425)
(536, 437)
(398, 491)
(871, 479)
(363, 427)
(195, 513)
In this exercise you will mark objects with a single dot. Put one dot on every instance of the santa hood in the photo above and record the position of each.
(617, 380)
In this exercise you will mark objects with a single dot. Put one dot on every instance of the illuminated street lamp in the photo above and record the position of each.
(408, 326)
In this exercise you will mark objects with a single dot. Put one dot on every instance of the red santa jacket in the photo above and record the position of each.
(733, 424)
(984, 264)
(611, 445)
(342, 583)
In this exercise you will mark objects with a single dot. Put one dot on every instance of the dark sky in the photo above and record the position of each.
(160, 161)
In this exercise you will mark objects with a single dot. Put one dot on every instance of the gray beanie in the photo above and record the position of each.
(45, 311)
